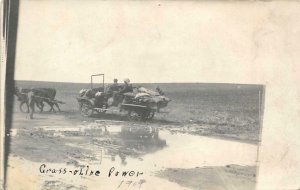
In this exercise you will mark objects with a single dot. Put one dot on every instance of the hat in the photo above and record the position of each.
(115, 80)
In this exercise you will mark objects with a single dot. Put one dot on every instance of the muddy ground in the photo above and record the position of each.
(230, 111)
(67, 139)
(216, 178)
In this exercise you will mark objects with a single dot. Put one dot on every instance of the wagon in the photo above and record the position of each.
(98, 100)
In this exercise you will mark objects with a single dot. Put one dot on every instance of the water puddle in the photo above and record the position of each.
(139, 147)
(146, 145)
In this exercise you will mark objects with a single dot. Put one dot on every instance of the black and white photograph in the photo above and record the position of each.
(140, 95)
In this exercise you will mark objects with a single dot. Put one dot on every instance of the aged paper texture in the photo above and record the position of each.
(155, 95)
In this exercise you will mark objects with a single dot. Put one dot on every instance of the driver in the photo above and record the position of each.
(115, 86)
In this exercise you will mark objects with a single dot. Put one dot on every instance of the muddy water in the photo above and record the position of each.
(137, 148)
(168, 150)
(188, 151)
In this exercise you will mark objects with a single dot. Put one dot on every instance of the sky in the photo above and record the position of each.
(149, 41)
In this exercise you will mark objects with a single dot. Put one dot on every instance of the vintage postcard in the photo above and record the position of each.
(135, 95)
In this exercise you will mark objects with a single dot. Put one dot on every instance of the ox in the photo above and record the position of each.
(39, 96)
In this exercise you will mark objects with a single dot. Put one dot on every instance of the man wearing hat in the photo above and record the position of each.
(113, 90)
(115, 86)
(127, 86)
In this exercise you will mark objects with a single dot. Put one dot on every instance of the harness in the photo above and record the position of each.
(44, 98)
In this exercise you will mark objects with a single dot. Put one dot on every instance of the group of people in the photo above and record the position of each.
(127, 87)
(115, 87)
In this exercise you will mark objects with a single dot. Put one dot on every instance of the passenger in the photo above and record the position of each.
(127, 86)
(160, 91)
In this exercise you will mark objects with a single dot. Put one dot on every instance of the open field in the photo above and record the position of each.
(222, 110)
(175, 150)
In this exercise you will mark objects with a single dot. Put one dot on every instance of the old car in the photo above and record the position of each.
(138, 104)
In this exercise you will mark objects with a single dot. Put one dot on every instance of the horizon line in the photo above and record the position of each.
(145, 82)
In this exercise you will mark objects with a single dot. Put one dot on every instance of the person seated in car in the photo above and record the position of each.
(117, 96)
(127, 87)
(115, 86)
(160, 91)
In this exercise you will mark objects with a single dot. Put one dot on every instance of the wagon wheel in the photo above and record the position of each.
(86, 109)
(151, 114)
(134, 116)
(147, 115)
(24, 107)
(140, 115)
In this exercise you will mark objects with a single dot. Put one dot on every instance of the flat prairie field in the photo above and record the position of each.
(231, 111)
(206, 138)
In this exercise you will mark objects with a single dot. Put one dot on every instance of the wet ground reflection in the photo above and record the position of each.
(133, 141)
(89, 142)
(127, 144)
(158, 154)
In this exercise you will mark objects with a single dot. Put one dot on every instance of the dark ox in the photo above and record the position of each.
(40, 95)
